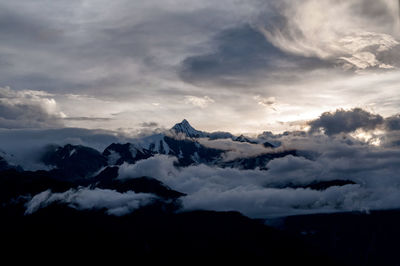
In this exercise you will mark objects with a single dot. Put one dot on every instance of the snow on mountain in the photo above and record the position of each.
(118, 153)
(182, 141)
(7, 161)
(3, 164)
(242, 138)
(187, 150)
(185, 128)
(74, 160)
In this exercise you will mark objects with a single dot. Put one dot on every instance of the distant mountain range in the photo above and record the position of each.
(160, 228)
(181, 141)
(71, 166)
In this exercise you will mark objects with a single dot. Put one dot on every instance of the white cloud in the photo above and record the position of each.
(28, 109)
(268, 193)
(236, 149)
(92, 199)
(201, 102)
(364, 31)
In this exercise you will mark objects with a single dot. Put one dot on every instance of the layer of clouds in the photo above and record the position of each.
(113, 202)
(393, 123)
(236, 149)
(270, 193)
(364, 126)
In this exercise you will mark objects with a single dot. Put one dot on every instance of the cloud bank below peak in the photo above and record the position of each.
(115, 203)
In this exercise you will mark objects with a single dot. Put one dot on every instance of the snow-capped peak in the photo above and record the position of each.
(185, 128)
(242, 138)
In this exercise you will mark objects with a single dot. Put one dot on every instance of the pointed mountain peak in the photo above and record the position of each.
(185, 128)
(243, 138)
(183, 124)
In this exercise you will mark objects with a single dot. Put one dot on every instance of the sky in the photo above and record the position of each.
(229, 65)
(315, 76)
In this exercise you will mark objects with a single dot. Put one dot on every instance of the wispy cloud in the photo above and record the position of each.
(201, 102)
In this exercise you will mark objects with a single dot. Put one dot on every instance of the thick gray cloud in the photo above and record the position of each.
(393, 122)
(28, 109)
(242, 56)
(342, 121)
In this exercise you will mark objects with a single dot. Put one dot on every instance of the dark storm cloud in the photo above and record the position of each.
(342, 121)
(393, 122)
(242, 54)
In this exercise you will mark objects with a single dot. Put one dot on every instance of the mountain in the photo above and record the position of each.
(5, 164)
(187, 151)
(357, 238)
(268, 145)
(74, 161)
(75, 196)
(242, 138)
(185, 128)
(152, 236)
(117, 154)
(15, 185)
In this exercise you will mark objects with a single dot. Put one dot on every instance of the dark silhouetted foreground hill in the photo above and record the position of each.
(150, 235)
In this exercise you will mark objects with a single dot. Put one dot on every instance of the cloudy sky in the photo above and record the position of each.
(232, 65)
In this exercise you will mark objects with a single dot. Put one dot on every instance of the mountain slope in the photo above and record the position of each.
(185, 128)
(74, 161)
